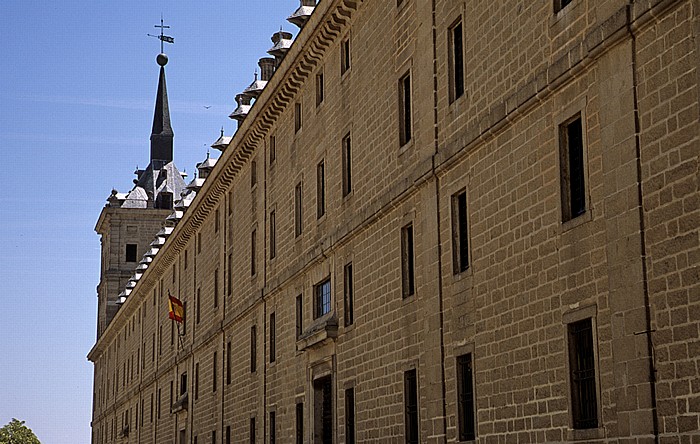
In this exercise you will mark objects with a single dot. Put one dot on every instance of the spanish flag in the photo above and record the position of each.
(176, 311)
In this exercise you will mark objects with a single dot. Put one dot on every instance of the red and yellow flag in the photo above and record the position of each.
(176, 311)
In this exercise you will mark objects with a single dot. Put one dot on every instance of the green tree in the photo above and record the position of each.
(15, 432)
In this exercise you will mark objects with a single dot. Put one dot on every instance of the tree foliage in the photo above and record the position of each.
(15, 432)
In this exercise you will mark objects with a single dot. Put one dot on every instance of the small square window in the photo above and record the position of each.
(322, 298)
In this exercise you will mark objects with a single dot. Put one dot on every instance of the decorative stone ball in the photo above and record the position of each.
(162, 59)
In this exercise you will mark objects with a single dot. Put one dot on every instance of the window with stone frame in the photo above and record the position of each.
(455, 40)
(408, 278)
(348, 295)
(298, 210)
(323, 410)
(460, 232)
(320, 189)
(582, 375)
(320, 88)
(571, 167)
(322, 298)
(131, 252)
(345, 58)
(561, 4)
(410, 395)
(347, 165)
(405, 113)
(350, 415)
(465, 398)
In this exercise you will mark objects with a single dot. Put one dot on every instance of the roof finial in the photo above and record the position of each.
(162, 59)
(222, 131)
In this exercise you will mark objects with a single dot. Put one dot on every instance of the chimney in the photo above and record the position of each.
(302, 14)
(267, 68)
(282, 41)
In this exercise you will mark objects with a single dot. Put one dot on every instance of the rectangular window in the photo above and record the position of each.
(460, 232)
(213, 437)
(230, 203)
(573, 199)
(405, 131)
(320, 189)
(228, 362)
(273, 350)
(198, 311)
(273, 236)
(273, 149)
(319, 88)
(183, 383)
(229, 276)
(216, 288)
(465, 398)
(408, 278)
(252, 430)
(253, 173)
(297, 117)
(322, 298)
(199, 242)
(299, 317)
(131, 252)
(297, 210)
(323, 410)
(350, 415)
(252, 253)
(410, 396)
(300, 423)
(216, 221)
(171, 396)
(273, 428)
(196, 381)
(456, 61)
(185, 259)
(344, 56)
(213, 377)
(347, 165)
(584, 404)
(228, 434)
(348, 295)
(561, 4)
(253, 349)
(160, 394)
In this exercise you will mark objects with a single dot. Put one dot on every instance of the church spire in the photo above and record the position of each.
(162, 132)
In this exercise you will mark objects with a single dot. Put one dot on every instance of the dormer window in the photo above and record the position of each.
(164, 201)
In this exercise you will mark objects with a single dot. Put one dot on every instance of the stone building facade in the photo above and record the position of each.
(445, 221)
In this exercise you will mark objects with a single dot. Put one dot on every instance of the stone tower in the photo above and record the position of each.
(130, 221)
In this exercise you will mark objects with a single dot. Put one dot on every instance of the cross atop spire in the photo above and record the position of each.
(162, 37)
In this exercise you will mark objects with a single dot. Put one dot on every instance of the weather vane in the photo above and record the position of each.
(162, 37)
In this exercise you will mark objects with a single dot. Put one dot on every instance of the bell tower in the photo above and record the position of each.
(129, 221)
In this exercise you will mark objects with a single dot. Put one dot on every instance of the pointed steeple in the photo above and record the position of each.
(162, 132)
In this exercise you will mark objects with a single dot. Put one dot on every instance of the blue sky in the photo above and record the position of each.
(78, 87)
